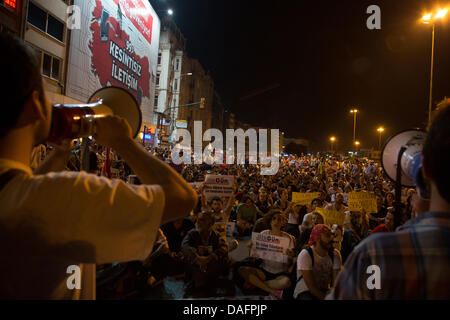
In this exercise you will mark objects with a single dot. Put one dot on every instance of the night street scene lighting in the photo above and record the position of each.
(224, 155)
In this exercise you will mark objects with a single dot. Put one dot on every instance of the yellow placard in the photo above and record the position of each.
(304, 198)
(332, 216)
(362, 200)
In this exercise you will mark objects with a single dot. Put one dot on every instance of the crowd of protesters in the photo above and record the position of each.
(197, 249)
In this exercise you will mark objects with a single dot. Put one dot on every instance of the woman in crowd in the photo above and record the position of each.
(272, 276)
(353, 233)
(295, 218)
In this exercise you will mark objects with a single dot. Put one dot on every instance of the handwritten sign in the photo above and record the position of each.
(332, 216)
(230, 229)
(218, 186)
(269, 247)
(304, 198)
(362, 200)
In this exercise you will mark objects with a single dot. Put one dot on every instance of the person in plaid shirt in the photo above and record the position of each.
(414, 262)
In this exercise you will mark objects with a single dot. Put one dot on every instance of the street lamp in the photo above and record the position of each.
(332, 139)
(380, 131)
(170, 12)
(427, 19)
(354, 111)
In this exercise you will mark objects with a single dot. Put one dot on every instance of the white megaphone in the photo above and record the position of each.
(401, 159)
(72, 121)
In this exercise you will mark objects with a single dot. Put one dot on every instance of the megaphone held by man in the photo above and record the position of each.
(72, 121)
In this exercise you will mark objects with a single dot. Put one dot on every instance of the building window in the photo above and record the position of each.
(45, 22)
(55, 28)
(51, 66)
(176, 84)
(156, 100)
(178, 65)
(158, 75)
(159, 58)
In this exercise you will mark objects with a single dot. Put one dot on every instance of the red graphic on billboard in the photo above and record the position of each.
(114, 60)
(139, 15)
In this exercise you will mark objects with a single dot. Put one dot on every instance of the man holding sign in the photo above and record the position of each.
(218, 186)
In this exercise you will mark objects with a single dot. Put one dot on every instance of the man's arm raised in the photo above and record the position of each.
(180, 197)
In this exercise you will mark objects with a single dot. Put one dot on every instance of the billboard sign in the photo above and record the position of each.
(181, 124)
(117, 45)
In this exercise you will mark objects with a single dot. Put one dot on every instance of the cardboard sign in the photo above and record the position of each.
(230, 229)
(362, 200)
(332, 216)
(218, 186)
(304, 198)
(269, 247)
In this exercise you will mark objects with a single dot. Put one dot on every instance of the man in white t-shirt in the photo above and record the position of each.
(317, 265)
(55, 225)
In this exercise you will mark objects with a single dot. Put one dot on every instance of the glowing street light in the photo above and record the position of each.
(357, 143)
(380, 131)
(332, 139)
(170, 12)
(428, 18)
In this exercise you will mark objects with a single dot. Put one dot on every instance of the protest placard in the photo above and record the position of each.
(269, 247)
(230, 229)
(362, 200)
(304, 198)
(332, 216)
(218, 186)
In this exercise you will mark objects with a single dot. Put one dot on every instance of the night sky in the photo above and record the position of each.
(302, 65)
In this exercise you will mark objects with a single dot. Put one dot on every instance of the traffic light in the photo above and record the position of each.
(202, 103)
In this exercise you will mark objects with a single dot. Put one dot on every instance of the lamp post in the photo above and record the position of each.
(332, 139)
(354, 112)
(429, 18)
(356, 143)
(380, 131)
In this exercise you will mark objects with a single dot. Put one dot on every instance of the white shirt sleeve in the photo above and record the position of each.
(337, 260)
(304, 261)
(118, 221)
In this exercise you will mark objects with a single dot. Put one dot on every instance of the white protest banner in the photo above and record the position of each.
(230, 229)
(362, 200)
(269, 247)
(304, 198)
(218, 186)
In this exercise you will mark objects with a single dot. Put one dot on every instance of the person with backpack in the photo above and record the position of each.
(317, 265)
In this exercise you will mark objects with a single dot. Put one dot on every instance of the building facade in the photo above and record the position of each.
(169, 75)
(46, 32)
(199, 85)
(112, 46)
